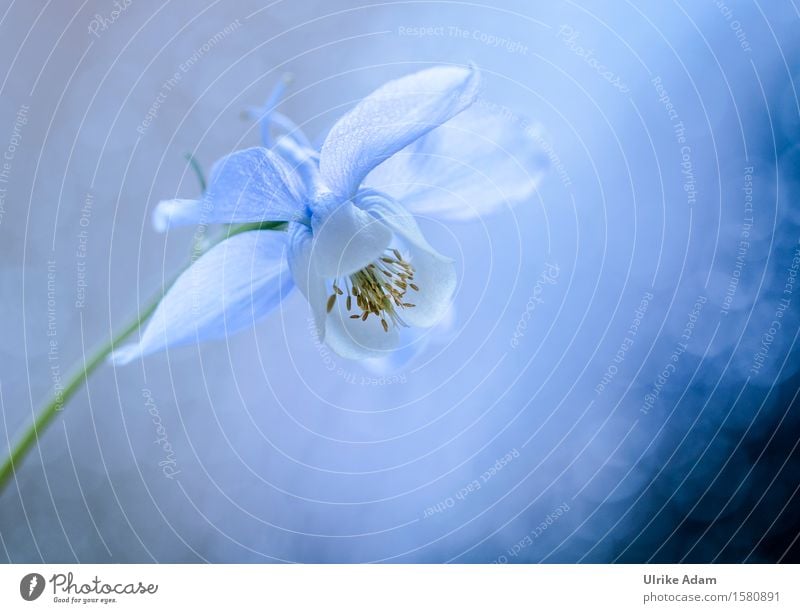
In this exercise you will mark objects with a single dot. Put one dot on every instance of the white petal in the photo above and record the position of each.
(476, 164)
(356, 339)
(435, 275)
(389, 119)
(413, 343)
(395, 215)
(176, 212)
(346, 239)
(311, 284)
(224, 291)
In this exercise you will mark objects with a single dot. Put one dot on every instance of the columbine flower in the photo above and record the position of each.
(351, 247)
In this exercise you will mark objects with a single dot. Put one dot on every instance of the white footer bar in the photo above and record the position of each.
(353, 588)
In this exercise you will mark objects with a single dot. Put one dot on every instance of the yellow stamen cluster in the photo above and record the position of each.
(379, 289)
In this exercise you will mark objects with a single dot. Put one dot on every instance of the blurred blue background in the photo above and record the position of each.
(641, 408)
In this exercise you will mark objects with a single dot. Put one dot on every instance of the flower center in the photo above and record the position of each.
(379, 289)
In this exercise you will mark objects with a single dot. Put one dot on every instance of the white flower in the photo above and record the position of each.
(351, 246)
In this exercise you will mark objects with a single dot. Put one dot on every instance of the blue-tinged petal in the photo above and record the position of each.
(251, 185)
(266, 113)
(305, 276)
(346, 239)
(224, 291)
(302, 160)
(389, 119)
(476, 164)
(290, 129)
(272, 121)
(269, 108)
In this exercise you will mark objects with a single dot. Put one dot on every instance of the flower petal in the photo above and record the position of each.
(356, 339)
(393, 214)
(434, 274)
(177, 212)
(347, 337)
(302, 160)
(471, 166)
(251, 185)
(266, 113)
(346, 239)
(308, 281)
(413, 343)
(290, 129)
(389, 119)
(226, 290)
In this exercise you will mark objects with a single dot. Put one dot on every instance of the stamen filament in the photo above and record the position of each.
(379, 289)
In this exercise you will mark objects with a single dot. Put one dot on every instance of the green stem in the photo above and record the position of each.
(52, 408)
(198, 171)
(31, 436)
(260, 225)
